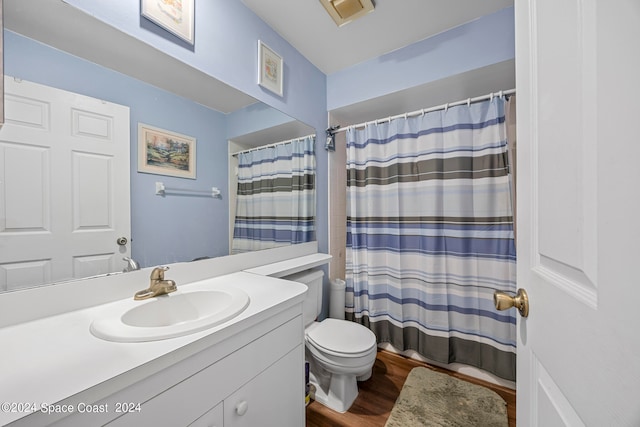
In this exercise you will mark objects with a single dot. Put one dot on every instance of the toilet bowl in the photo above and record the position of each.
(339, 352)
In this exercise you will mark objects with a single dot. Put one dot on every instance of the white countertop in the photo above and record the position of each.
(291, 266)
(51, 359)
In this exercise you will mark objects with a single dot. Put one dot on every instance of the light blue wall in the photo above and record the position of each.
(226, 47)
(485, 41)
(163, 229)
(226, 37)
(253, 118)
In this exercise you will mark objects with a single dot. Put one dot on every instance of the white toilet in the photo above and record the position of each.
(339, 352)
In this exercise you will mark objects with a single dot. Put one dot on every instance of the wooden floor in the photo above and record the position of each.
(379, 393)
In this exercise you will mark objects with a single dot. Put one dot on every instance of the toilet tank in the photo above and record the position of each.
(312, 305)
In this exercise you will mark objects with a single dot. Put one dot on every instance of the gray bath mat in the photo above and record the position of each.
(431, 398)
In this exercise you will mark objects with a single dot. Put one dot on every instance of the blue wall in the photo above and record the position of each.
(226, 47)
(226, 35)
(253, 118)
(163, 229)
(485, 41)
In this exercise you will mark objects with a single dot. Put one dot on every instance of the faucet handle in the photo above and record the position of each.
(158, 272)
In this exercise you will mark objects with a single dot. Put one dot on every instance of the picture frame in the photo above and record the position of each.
(270, 69)
(162, 152)
(175, 16)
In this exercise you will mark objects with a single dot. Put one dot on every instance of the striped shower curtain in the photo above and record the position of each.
(430, 235)
(276, 196)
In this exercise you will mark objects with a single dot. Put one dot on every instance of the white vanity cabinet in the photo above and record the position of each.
(271, 398)
(246, 371)
(262, 383)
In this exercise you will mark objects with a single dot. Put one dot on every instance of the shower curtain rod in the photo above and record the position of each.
(428, 110)
(271, 145)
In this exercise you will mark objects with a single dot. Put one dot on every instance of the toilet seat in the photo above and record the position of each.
(341, 338)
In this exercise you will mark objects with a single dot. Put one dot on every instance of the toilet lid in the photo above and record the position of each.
(342, 336)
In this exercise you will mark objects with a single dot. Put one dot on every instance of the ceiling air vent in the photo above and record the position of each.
(345, 11)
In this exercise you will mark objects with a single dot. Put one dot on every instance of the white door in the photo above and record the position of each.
(64, 186)
(578, 71)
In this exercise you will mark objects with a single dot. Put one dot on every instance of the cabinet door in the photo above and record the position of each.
(213, 418)
(273, 398)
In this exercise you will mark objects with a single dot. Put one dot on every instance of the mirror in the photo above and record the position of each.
(53, 44)
(283, 129)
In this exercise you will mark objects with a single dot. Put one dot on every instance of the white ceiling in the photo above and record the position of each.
(392, 25)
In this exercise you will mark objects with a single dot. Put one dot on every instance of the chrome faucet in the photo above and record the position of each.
(158, 285)
(131, 265)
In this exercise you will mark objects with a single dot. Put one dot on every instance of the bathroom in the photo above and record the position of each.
(308, 95)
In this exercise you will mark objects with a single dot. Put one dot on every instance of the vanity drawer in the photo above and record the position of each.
(188, 400)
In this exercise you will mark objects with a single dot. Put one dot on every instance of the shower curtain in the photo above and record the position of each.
(276, 196)
(430, 235)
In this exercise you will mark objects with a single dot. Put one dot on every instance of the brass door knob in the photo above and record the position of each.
(504, 301)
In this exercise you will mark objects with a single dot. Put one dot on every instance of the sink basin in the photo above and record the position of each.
(169, 316)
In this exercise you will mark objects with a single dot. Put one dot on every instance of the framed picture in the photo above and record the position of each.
(175, 16)
(270, 69)
(163, 152)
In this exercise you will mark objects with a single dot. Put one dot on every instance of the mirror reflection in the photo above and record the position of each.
(275, 198)
(154, 90)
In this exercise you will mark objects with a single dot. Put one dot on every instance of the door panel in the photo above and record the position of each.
(564, 218)
(26, 192)
(578, 355)
(92, 198)
(64, 186)
(553, 409)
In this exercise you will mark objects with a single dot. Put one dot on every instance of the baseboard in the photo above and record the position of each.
(470, 371)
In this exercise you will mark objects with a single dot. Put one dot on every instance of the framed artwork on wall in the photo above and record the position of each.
(163, 152)
(270, 69)
(175, 16)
